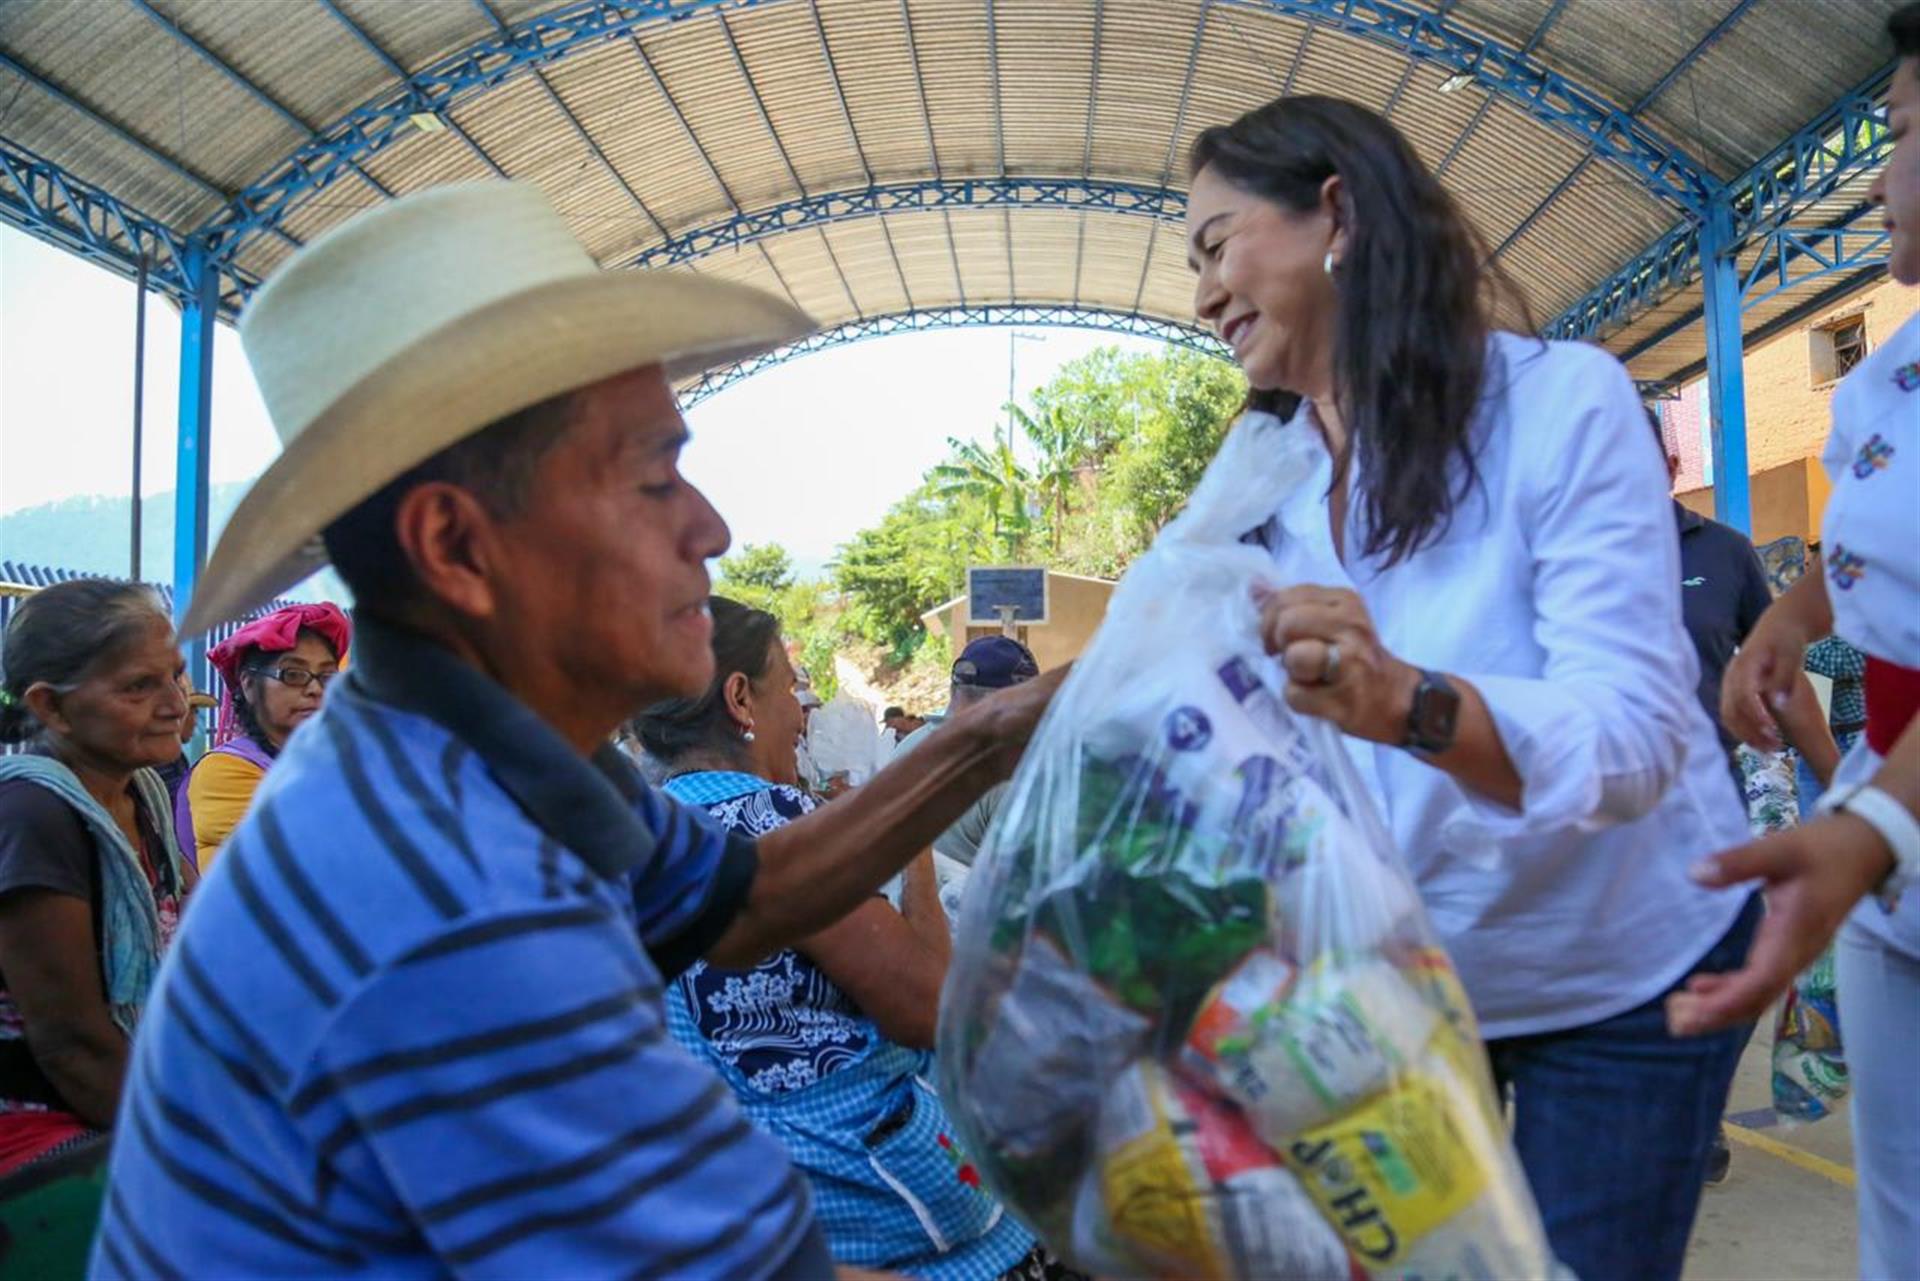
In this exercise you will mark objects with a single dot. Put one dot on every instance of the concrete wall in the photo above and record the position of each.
(1788, 414)
(1075, 605)
(1787, 500)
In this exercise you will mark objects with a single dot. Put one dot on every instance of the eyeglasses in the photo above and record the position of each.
(296, 677)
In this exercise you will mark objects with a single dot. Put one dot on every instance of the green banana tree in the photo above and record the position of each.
(992, 476)
(1059, 437)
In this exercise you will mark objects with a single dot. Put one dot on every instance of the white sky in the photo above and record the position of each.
(804, 454)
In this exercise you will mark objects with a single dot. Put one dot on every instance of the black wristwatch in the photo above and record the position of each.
(1433, 717)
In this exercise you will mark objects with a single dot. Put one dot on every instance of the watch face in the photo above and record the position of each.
(1436, 711)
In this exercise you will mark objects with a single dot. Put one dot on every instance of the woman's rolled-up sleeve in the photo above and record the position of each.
(1599, 736)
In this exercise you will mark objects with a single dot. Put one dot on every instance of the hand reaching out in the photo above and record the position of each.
(1813, 876)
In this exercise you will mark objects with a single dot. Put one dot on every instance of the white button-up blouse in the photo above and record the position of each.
(1556, 594)
(1871, 550)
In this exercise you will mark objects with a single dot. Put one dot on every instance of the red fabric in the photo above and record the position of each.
(27, 1135)
(277, 633)
(1893, 696)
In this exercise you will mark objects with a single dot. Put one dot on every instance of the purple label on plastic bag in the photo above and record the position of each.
(1188, 729)
(1239, 678)
(1258, 777)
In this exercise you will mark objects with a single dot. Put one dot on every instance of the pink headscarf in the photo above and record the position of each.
(277, 633)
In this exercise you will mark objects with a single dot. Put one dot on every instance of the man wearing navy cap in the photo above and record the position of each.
(985, 665)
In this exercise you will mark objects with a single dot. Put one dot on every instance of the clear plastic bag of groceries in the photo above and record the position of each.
(1197, 1024)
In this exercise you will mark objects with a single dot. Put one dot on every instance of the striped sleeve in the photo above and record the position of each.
(694, 886)
(512, 1082)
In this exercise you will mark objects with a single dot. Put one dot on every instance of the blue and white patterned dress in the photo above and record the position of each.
(858, 1111)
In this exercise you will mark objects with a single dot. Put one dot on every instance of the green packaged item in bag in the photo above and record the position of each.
(1809, 1063)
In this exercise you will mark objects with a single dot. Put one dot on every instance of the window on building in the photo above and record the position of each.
(1837, 348)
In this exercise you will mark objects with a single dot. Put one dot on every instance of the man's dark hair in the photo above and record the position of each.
(1904, 26)
(496, 464)
(893, 713)
(743, 640)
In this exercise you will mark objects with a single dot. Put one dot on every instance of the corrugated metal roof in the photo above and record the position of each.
(742, 106)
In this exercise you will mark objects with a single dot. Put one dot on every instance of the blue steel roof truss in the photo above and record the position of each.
(44, 200)
(1839, 147)
(1420, 34)
(1680, 68)
(1163, 204)
(1191, 337)
(1842, 145)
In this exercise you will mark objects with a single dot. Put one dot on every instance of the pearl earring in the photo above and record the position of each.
(1326, 264)
(746, 735)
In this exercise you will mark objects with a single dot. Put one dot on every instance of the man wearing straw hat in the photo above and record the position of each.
(413, 1024)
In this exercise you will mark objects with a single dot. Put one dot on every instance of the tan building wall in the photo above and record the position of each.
(1076, 606)
(1786, 500)
(1789, 391)
(1789, 403)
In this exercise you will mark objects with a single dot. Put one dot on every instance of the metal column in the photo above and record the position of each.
(194, 448)
(139, 397)
(1726, 378)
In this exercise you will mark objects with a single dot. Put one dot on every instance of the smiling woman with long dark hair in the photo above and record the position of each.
(1481, 588)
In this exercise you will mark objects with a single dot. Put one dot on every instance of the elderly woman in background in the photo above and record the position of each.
(91, 876)
(275, 671)
(826, 1045)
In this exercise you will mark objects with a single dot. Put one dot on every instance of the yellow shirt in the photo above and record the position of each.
(220, 790)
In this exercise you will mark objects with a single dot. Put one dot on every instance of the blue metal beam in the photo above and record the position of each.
(700, 150)
(173, 28)
(579, 130)
(1843, 145)
(392, 64)
(44, 200)
(1666, 169)
(205, 185)
(1726, 382)
(1086, 151)
(1178, 333)
(1406, 77)
(193, 448)
(1417, 33)
(1793, 257)
(1486, 104)
(933, 146)
(121, 133)
(538, 42)
(1160, 203)
(1693, 55)
(773, 136)
(1000, 142)
(1173, 143)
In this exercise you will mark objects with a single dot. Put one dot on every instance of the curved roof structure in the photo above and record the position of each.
(902, 163)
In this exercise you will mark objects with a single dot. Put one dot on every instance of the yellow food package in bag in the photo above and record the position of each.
(1397, 1168)
(1154, 1190)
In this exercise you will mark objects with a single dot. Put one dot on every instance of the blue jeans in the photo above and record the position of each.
(1613, 1121)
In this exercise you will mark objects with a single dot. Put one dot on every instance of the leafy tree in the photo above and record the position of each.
(916, 557)
(761, 576)
(1186, 402)
(762, 570)
(993, 477)
(1119, 441)
(1062, 439)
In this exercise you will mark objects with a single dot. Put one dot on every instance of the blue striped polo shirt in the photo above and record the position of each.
(412, 1024)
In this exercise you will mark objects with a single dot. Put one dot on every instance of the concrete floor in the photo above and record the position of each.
(1781, 1213)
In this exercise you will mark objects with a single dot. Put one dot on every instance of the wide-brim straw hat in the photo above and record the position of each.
(415, 325)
